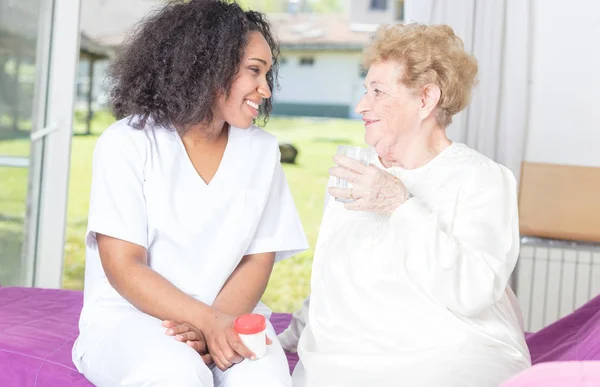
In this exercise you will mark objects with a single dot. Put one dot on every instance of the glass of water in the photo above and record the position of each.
(364, 155)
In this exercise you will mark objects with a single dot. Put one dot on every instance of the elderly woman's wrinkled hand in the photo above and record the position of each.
(373, 189)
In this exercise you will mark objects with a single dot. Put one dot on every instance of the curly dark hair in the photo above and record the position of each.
(180, 58)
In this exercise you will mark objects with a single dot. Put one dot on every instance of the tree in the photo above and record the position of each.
(325, 6)
(266, 6)
(278, 6)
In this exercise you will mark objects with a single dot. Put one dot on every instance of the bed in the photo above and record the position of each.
(38, 327)
(37, 331)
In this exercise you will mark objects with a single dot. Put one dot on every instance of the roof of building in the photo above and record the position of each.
(92, 48)
(107, 23)
(310, 31)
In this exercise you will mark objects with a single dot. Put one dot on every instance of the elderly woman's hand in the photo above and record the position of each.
(373, 189)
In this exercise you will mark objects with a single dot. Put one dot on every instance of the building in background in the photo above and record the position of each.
(320, 72)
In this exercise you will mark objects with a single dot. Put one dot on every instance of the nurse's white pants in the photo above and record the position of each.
(137, 352)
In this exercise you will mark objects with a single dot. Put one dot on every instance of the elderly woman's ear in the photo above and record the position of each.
(430, 97)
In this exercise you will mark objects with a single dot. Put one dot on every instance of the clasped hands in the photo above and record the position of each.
(218, 343)
(373, 189)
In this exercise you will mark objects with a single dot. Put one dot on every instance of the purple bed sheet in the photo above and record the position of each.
(37, 331)
(574, 337)
(38, 328)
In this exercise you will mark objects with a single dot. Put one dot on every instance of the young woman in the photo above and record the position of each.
(189, 207)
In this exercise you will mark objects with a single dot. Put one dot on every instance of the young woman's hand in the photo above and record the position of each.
(189, 335)
(224, 344)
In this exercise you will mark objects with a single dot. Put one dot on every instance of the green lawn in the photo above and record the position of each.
(316, 140)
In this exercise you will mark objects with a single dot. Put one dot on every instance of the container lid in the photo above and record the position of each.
(249, 324)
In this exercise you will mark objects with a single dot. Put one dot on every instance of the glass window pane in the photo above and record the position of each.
(18, 36)
(19, 25)
(378, 5)
(13, 196)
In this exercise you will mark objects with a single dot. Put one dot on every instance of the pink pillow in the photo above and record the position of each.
(558, 374)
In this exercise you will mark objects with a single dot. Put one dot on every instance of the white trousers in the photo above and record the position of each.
(137, 352)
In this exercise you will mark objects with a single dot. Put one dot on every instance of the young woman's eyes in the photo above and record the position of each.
(255, 70)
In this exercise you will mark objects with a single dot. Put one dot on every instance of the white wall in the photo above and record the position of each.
(417, 10)
(565, 95)
(333, 79)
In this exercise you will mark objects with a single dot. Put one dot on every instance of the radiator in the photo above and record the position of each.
(554, 277)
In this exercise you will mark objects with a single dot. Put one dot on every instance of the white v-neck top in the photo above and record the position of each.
(146, 191)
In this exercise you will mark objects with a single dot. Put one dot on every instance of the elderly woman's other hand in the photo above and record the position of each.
(373, 189)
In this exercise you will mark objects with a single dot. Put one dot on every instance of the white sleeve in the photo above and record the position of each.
(291, 335)
(279, 229)
(466, 267)
(117, 203)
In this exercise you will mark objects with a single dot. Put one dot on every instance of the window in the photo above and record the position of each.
(307, 61)
(33, 42)
(400, 10)
(378, 5)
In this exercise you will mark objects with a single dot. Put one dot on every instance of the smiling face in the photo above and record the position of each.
(389, 109)
(249, 87)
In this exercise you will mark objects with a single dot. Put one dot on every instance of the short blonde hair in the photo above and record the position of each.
(429, 55)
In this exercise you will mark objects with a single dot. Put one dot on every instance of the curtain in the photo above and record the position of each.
(498, 34)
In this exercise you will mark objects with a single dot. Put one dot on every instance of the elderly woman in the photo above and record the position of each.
(410, 279)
